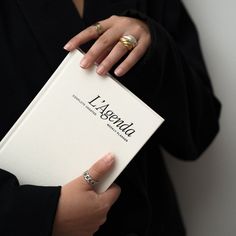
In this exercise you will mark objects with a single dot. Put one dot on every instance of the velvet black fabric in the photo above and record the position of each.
(171, 78)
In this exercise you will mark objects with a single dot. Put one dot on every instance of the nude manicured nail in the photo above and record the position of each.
(68, 46)
(101, 70)
(109, 159)
(118, 72)
(84, 63)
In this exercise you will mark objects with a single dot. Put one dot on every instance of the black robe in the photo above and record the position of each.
(171, 78)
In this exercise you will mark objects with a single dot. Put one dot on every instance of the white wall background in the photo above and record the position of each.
(207, 188)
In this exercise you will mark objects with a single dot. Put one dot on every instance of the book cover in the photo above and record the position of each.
(77, 117)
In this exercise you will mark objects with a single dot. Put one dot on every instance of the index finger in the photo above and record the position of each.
(86, 35)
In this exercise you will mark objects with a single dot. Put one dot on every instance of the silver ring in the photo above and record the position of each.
(89, 179)
(129, 41)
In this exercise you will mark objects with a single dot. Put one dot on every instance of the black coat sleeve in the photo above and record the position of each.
(174, 81)
(26, 210)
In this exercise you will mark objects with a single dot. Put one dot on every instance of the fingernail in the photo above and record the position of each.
(68, 46)
(118, 72)
(84, 63)
(109, 159)
(101, 70)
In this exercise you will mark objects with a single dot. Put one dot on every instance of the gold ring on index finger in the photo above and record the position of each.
(98, 28)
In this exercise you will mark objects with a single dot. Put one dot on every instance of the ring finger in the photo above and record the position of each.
(133, 57)
(112, 58)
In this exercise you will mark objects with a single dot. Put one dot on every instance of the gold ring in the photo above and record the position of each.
(98, 28)
(129, 41)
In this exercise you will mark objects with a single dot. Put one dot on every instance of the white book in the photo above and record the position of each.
(76, 118)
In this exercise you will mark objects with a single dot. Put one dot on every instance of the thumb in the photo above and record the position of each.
(98, 170)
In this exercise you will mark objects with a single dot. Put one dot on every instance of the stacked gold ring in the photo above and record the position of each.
(129, 41)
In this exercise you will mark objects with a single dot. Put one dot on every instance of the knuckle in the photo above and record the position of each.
(126, 19)
(103, 220)
(138, 28)
(114, 17)
(104, 41)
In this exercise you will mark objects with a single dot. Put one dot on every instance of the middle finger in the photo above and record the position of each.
(107, 40)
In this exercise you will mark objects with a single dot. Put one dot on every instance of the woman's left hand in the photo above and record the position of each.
(108, 49)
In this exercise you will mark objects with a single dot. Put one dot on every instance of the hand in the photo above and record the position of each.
(80, 209)
(107, 50)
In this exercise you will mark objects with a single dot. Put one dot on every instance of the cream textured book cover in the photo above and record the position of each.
(77, 117)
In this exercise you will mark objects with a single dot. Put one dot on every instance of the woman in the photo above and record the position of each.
(161, 62)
